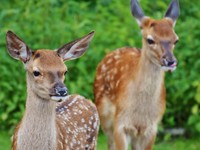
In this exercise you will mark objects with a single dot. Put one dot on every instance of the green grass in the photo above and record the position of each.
(176, 144)
(179, 144)
(5, 141)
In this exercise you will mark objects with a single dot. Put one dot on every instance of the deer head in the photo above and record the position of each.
(159, 37)
(45, 68)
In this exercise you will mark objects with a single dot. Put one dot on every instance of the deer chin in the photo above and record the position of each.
(58, 98)
(168, 68)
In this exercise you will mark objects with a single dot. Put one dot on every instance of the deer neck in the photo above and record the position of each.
(148, 69)
(38, 126)
(149, 76)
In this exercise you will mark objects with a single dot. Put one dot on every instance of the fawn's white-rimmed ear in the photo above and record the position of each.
(137, 11)
(173, 11)
(17, 48)
(75, 48)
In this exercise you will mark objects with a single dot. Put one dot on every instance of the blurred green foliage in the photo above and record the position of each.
(52, 23)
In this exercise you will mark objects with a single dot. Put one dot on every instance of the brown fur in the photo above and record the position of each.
(79, 127)
(70, 130)
(129, 89)
(79, 135)
(46, 123)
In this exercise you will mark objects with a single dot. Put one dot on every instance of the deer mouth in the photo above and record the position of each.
(169, 65)
(59, 93)
(170, 68)
(58, 98)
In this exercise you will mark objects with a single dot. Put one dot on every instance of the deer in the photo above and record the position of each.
(129, 86)
(53, 119)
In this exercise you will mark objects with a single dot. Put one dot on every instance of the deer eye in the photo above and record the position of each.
(150, 41)
(36, 73)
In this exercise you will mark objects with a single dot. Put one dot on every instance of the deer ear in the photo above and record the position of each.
(137, 11)
(173, 11)
(17, 48)
(75, 48)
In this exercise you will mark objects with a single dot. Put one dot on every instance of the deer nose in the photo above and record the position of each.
(171, 63)
(61, 91)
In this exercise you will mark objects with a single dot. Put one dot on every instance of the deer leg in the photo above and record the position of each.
(111, 145)
(146, 143)
(135, 145)
(143, 142)
(108, 130)
(120, 139)
(149, 145)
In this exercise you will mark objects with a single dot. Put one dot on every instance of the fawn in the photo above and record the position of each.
(129, 85)
(47, 124)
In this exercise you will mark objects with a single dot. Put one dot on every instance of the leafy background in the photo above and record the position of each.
(52, 23)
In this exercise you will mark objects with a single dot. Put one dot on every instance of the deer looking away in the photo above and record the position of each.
(47, 124)
(129, 84)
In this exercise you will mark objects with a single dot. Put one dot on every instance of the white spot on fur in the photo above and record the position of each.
(112, 97)
(118, 62)
(80, 112)
(82, 120)
(99, 77)
(103, 67)
(109, 61)
(79, 142)
(61, 144)
(133, 54)
(117, 83)
(122, 68)
(107, 78)
(117, 56)
(95, 125)
(66, 141)
(61, 135)
(90, 122)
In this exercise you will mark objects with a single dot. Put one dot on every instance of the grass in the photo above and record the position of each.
(176, 144)
(5, 141)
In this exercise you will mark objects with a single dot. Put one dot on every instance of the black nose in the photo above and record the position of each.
(61, 91)
(170, 63)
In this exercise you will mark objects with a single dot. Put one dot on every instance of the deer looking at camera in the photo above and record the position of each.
(47, 124)
(129, 84)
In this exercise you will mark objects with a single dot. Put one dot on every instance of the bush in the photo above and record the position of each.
(51, 23)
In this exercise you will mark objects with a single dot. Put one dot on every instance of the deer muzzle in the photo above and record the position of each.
(60, 92)
(169, 62)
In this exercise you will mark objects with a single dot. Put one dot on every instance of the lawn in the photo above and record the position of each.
(5, 141)
(177, 144)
